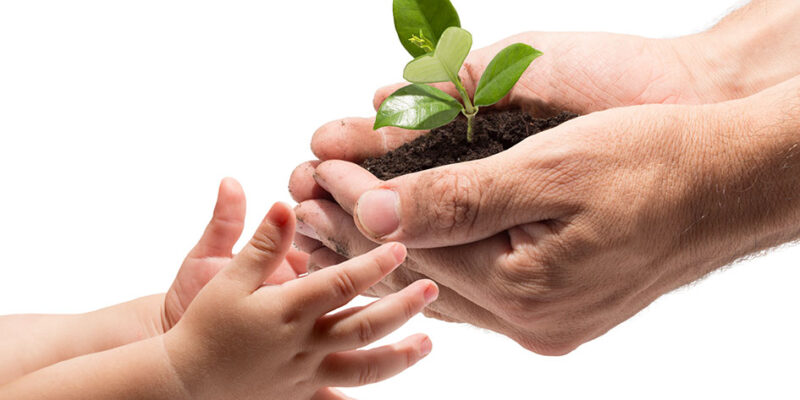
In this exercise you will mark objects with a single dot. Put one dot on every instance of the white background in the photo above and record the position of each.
(118, 118)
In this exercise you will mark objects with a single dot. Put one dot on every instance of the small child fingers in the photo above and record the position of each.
(329, 394)
(334, 287)
(363, 367)
(226, 224)
(379, 318)
(266, 250)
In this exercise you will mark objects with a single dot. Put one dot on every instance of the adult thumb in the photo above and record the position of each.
(445, 206)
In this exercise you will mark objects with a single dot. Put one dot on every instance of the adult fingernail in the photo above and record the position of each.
(425, 347)
(431, 293)
(377, 212)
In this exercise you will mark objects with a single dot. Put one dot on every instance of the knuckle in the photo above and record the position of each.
(456, 197)
(547, 347)
(370, 373)
(343, 284)
(265, 243)
(410, 309)
(365, 331)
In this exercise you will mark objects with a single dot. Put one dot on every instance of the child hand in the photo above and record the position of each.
(244, 340)
(213, 251)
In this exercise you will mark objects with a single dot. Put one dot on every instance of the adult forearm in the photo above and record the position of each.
(31, 342)
(140, 370)
(743, 191)
(753, 48)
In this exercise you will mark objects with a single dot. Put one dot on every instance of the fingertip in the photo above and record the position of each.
(302, 186)
(384, 92)
(399, 251)
(326, 141)
(280, 214)
(431, 291)
(425, 346)
(421, 343)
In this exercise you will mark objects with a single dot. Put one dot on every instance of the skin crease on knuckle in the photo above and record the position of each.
(264, 242)
(453, 199)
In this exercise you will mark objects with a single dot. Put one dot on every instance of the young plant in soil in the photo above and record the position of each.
(430, 31)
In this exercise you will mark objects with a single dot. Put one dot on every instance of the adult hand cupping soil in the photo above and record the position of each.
(560, 238)
(576, 229)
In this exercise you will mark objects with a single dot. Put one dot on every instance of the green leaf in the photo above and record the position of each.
(444, 63)
(423, 19)
(417, 107)
(503, 72)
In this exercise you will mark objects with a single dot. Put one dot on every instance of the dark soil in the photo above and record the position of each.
(494, 131)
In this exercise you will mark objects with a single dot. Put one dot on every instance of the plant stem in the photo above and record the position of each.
(470, 118)
(469, 110)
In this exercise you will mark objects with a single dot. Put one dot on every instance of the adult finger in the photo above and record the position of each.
(305, 243)
(333, 287)
(353, 139)
(332, 174)
(323, 258)
(302, 185)
(226, 223)
(449, 205)
(333, 227)
(362, 367)
(379, 318)
(266, 250)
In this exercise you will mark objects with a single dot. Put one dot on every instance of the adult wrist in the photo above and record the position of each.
(750, 163)
(753, 49)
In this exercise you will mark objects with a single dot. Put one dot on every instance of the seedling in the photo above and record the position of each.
(431, 32)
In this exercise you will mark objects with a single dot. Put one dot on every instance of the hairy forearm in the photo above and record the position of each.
(743, 187)
(31, 342)
(752, 49)
(140, 370)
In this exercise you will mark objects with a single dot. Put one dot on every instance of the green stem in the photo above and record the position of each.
(470, 118)
(469, 110)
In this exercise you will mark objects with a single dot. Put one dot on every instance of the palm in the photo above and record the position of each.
(214, 250)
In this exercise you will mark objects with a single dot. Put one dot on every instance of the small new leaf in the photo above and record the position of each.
(444, 63)
(422, 42)
(423, 18)
(417, 107)
(503, 72)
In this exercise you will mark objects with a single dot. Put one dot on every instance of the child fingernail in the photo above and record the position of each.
(399, 252)
(425, 347)
(431, 293)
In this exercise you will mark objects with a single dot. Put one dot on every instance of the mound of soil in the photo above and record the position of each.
(493, 132)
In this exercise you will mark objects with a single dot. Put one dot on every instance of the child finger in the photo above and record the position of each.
(335, 286)
(329, 394)
(298, 260)
(363, 367)
(226, 223)
(380, 318)
(266, 250)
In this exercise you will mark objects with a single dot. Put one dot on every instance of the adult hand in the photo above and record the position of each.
(574, 230)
